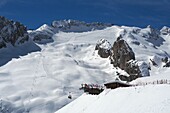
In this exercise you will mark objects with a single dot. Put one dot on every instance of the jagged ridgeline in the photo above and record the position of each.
(11, 32)
(45, 32)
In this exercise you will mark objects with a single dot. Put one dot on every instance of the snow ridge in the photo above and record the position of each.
(45, 32)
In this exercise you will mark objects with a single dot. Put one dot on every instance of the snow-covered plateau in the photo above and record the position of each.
(38, 77)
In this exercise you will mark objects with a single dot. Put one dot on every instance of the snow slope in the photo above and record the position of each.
(40, 81)
(148, 99)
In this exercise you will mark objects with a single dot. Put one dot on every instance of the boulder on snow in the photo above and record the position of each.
(167, 64)
(104, 48)
(12, 32)
(166, 61)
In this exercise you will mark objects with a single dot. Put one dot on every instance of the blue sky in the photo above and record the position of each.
(34, 13)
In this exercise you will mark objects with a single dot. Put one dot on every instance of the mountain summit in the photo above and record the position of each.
(11, 32)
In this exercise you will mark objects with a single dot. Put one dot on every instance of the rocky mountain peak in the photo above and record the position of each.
(12, 32)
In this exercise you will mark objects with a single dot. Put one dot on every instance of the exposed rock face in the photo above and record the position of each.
(153, 62)
(122, 53)
(124, 58)
(152, 36)
(78, 26)
(104, 48)
(165, 60)
(152, 33)
(12, 32)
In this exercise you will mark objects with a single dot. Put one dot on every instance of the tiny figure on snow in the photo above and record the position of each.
(69, 96)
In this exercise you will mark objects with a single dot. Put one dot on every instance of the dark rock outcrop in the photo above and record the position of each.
(124, 58)
(167, 64)
(166, 61)
(122, 53)
(104, 48)
(153, 62)
(12, 32)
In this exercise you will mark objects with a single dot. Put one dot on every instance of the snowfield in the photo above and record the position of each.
(148, 99)
(40, 81)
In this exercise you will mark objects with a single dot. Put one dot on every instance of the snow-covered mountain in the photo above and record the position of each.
(14, 40)
(40, 81)
(45, 32)
(11, 32)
